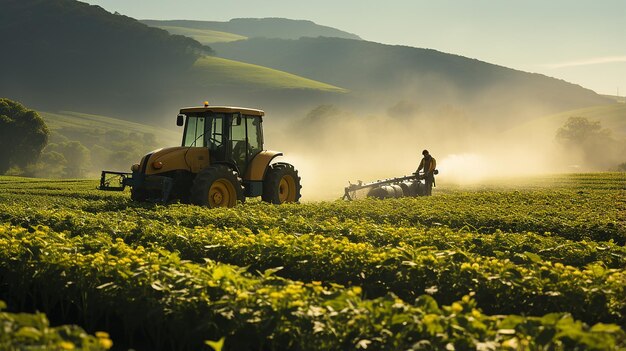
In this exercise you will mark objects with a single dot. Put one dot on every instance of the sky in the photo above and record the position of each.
(580, 41)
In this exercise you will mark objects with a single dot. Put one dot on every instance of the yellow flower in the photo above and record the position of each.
(457, 307)
(101, 334)
(106, 343)
(66, 345)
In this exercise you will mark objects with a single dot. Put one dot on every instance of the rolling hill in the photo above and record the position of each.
(219, 72)
(203, 36)
(79, 57)
(611, 117)
(386, 74)
(282, 28)
(82, 126)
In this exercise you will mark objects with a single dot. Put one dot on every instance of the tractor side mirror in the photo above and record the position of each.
(180, 120)
(239, 119)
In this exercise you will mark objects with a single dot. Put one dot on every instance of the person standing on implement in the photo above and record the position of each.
(428, 164)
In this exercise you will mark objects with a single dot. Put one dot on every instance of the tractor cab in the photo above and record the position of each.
(232, 135)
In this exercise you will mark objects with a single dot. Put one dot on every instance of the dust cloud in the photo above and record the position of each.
(331, 146)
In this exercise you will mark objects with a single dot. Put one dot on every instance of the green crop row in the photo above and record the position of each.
(32, 331)
(169, 303)
(530, 285)
(503, 269)
(573, 213)
(500, 244)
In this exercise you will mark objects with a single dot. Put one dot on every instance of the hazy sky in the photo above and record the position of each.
(580, 41)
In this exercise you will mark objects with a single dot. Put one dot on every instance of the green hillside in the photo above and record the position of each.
(82, 144)
(203, 36)
(612, 117)
(260, 27)
(389, 74)
(69, 55)
(215, 72)
(70, 123)
(78, 57)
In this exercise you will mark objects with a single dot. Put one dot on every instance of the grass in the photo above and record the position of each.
(69, 123)
(204, 36)
(239, 73)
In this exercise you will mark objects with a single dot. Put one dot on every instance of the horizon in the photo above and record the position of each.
(576, 42)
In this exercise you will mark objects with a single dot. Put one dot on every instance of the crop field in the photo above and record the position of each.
(537, 265)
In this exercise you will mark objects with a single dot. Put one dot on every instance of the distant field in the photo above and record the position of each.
(204, 36)
(611, 116)
(79, 124)
(243, 74)
(491, 267)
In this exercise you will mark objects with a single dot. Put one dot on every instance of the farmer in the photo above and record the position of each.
(428, 164)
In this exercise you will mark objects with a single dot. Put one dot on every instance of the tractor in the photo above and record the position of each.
(220, 162)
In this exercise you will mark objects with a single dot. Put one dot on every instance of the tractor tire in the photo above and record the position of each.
(281, 184)
(216, 186)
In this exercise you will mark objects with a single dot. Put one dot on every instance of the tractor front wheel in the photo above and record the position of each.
(281, 184)
(217, 186)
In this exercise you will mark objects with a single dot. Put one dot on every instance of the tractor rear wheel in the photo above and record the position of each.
(217, 186)
(281, 184)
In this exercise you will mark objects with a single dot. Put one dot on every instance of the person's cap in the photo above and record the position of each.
(425, 152)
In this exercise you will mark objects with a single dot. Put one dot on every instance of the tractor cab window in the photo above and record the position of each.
(215, 136)
(194, 131)
(255, 135)
(204, 131)
(246, 139)
(238, 141)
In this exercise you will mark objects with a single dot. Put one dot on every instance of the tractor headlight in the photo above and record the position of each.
(157, 165)
(135, 167)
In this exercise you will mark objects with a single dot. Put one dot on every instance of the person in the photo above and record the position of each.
(428, 164)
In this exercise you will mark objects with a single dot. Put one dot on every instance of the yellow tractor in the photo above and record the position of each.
(220, 162)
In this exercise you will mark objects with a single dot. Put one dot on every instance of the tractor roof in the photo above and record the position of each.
(223, 109)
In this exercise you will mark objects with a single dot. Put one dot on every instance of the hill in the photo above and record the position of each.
(81, 145)
(612, 117)
(69, 54)
(82, 127)
(215, 71)
(203, 36)
(73, 56)
(282, 28)
(429, 79)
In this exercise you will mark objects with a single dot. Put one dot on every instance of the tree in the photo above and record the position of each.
(579, 130)
(75, 158)
(595, 147)
(23, 134)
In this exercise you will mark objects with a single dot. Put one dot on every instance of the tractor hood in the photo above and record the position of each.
(178, 158)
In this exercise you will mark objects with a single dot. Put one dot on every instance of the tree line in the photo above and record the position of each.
(29, 148)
